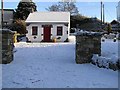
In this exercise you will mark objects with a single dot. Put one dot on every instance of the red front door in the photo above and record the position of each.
(47, 33)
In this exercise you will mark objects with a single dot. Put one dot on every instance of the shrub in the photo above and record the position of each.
(19, 26)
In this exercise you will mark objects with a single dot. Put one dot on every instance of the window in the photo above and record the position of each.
(67, 32)
(59, 30)
(34, 30)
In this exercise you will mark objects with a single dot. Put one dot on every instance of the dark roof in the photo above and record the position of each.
(114, 22)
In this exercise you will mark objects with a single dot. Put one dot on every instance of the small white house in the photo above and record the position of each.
(47, 26)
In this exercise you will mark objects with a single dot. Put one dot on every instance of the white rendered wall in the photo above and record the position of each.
(30, 36)
(39, 37)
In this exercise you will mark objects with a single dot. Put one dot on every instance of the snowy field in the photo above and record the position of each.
(52, 65)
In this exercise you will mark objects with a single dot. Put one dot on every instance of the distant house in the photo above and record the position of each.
(115, 26)
(46, 26)
(7, 16)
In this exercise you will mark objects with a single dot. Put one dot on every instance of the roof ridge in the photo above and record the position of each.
(50, 12)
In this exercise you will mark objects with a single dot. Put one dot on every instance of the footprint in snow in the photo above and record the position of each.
(36, 81)
(31, 79)
(16, 83)
(68, 87)
(99, 84)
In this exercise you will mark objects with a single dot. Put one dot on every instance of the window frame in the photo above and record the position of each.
(35, 33)
(59, 30)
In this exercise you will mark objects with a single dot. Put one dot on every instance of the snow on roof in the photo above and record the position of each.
(48, 17)
(88, 33)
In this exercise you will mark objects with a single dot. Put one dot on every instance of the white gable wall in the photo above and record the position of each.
(40, 35)
(30, 36)
(65, 29)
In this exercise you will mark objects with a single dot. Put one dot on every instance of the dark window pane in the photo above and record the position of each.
(34, 30)
(59, 31)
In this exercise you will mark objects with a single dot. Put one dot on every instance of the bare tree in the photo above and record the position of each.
(66, 6)
(53, 8)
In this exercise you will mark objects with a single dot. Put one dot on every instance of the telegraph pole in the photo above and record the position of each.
(101, 12)
(2, 13)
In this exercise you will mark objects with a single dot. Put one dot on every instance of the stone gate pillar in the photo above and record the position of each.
(87, 44)
(7, 46)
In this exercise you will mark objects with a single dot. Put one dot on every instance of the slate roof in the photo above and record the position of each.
(114, 22)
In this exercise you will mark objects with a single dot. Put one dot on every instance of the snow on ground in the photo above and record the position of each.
(0, 77)
(52, 65)
(109, 53)
(110, 49)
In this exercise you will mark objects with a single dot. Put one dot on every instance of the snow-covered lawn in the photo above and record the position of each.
(109, 53)
(110, 49)
(52, 65)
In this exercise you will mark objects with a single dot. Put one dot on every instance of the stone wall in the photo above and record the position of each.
(87, 44)
(7, 46)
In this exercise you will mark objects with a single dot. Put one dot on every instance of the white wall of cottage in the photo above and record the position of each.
(40, 35)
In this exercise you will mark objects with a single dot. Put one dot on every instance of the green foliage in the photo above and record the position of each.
(72, 30)
(24, 9)
(19, 26)
(76, 20)
(85, 23)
